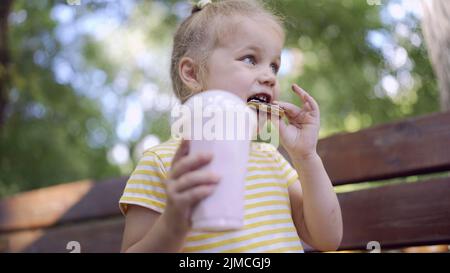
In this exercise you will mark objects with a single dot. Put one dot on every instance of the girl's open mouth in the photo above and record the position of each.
(260, 102)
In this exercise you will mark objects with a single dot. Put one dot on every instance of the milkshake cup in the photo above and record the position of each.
(221, 123)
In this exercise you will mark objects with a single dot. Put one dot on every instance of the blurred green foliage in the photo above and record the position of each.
(45, 139)
(62, 130)
(342, 70)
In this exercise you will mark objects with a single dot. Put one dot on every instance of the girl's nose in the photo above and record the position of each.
(267, 77)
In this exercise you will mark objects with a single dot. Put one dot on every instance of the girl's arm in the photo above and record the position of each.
(186, 185)
(147, 231)
(316, 210)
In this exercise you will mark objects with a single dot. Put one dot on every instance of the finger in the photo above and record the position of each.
(182, 151)
(291, 110)
(306, 97)
(194, 179)
(298, 91)
(191, 197)
(189, 163)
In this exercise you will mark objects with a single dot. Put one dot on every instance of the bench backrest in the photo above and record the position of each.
(395, 215)
(405, 214)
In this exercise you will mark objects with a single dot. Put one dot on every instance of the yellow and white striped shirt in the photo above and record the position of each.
(268, 224)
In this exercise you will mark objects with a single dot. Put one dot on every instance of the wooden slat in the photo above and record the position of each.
(397, 215)
(99, 236)
(410, 147)
(61, 204)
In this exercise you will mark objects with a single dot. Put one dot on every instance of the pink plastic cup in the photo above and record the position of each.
(228, 125)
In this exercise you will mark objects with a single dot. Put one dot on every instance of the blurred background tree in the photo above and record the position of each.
(87, 86)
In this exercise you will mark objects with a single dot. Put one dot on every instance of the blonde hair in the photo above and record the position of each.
(200, 33)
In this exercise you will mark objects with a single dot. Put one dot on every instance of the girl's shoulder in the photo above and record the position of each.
(167, 147)
(170, 146)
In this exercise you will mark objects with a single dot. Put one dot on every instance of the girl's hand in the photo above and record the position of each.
(186, 186)
(299, 137)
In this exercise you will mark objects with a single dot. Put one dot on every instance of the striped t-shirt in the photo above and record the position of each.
(268, 224)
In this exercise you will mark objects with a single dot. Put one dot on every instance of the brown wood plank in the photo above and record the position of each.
(61, 204)
(409, 147)
(98, 236)
(397, 215)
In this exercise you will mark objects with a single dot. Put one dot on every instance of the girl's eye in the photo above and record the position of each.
(275, 68)
(250, 58)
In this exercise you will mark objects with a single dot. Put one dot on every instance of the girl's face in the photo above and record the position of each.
(247, 60)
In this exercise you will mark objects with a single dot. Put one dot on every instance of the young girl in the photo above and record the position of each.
(234, 45)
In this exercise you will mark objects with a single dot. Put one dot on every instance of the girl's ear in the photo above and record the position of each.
(189, 74)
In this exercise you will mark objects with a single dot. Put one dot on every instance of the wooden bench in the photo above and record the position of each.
(394, 215)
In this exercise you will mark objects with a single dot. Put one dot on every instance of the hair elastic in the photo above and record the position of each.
(202, 3)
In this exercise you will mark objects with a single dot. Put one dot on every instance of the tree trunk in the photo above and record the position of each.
(4, 58)
(436, 30)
